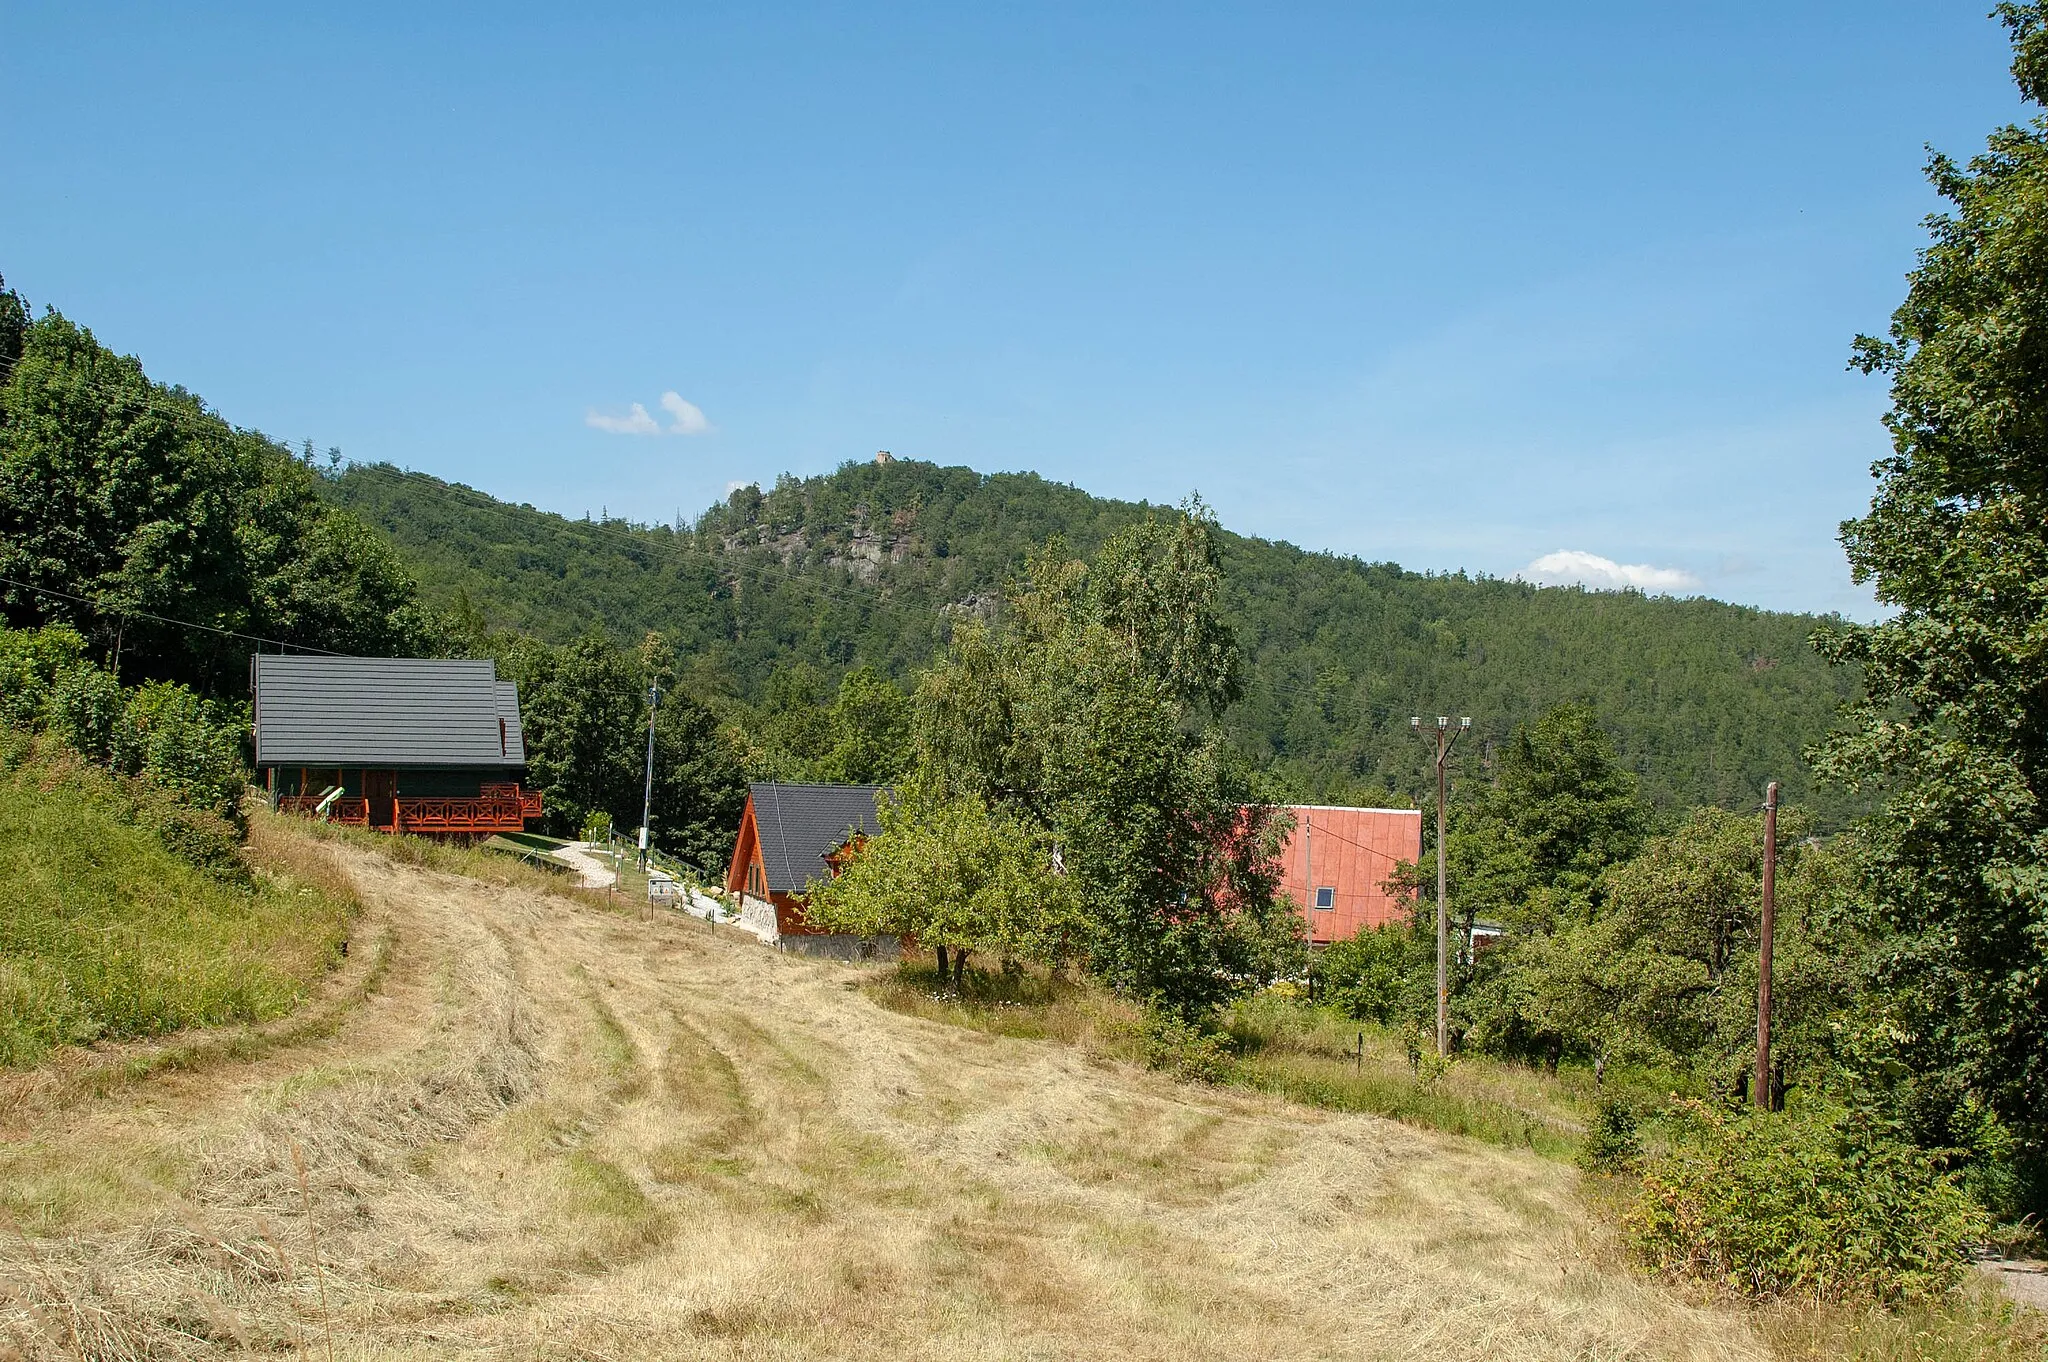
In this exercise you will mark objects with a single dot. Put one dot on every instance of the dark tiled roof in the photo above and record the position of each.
(508, 710)
(801, 824)
(384, 711)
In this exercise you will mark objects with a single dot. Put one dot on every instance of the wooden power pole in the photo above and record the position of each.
(1766, 932)
(1446, 737)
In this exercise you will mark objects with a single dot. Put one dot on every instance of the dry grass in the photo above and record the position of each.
(1980, 1325)
(428, 853)
(1026, 1006)
(554, 1131)
(1283, 1047)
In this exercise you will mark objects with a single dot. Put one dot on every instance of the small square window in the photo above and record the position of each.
(1326, 897)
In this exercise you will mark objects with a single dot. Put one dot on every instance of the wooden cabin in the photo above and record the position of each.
(792, 836)
(403, 744)
(1336, 864)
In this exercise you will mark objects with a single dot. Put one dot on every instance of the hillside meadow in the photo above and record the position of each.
(532, 1122)
(108, 935)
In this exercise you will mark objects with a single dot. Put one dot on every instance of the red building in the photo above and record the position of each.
(1337, 862)
(791, 837)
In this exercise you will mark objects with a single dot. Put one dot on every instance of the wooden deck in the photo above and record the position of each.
(497, 808)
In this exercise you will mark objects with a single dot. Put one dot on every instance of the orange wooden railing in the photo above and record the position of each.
(500, 807)
(459, 815)
(529, 800)
(346, 809)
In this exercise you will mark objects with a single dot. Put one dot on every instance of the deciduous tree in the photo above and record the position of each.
(958, 874)
(1954, 728)
(136, 498)
(1088, 711)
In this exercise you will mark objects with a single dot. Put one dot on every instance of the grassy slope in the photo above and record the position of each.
(1289, 1049)
(565, 1131)
(1279, 1047)
(1708, 700)
(107, 936)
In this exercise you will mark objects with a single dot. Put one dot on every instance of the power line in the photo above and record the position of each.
(102, 610)
(1371, 851)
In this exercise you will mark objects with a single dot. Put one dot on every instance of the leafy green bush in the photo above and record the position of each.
(1185, 1050)
(31, 660)
(1373, 976)
(188, 747)
(198, 837)
(1614, 1140)
(183, 744)
(1822, 1203)
(84, 710)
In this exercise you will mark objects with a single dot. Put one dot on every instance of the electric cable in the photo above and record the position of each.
(105, 611)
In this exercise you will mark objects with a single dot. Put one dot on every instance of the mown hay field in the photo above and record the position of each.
(538, 1126)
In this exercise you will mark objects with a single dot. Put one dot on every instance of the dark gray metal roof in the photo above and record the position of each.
(384, 711)
(508, 710)
(801, 824)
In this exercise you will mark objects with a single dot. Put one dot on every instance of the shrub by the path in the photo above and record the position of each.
(1820, 1203)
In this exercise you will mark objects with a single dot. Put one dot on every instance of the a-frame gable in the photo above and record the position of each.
(746, 855)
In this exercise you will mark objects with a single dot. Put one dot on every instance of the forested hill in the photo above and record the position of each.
(1707, 701)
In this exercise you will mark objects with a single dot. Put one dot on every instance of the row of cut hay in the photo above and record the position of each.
(234, 1267)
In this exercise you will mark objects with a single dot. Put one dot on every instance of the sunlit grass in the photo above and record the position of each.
(1975, 1324)
(106, 935)
(450, 858)
(1025, 1005)
(1280, 1046)
(1313, 1055)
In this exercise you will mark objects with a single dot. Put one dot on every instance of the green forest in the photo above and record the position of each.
(874, 565)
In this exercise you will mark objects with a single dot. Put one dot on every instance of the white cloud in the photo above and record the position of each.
(634, 422)
(688, 419)
(1568, 567)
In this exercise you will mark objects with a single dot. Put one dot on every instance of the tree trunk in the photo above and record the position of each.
(959, 967)
(940, 951)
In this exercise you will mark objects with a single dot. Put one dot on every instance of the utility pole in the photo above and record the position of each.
(1446, 737)
(1766, 931)
(1308, 875)
(647, 805)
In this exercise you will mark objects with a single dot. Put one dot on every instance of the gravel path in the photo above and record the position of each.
(2024, 1279)
(592, 870)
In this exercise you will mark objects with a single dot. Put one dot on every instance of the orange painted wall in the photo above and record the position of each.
(1352, 851)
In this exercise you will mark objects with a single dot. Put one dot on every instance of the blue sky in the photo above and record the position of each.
(1456, 286)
